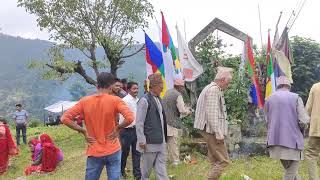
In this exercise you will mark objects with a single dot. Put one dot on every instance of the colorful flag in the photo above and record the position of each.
(284, 64)
(284, 45)
(167, 60)
(191, 69)
(255, 91)
(270, 83)
(283, 56)
(154, 61)
(168, 47)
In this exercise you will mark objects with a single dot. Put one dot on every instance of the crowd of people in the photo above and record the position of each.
(151, 126)
(117, 121)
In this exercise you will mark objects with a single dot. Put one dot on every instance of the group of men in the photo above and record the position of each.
(117, 121)
(151, 126)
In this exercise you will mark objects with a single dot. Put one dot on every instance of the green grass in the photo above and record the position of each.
(73, 166)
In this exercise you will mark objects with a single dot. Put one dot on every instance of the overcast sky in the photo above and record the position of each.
(242, 14)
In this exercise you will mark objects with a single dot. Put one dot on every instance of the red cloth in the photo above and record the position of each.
(49, 154)
(49, 160)
(7, 148)
(32, 169)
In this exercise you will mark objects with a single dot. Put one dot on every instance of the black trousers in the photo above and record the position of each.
(19, 128)
(128, 138)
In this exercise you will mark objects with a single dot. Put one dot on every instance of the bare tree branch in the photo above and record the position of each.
(58, 69)
(126, 56)
(126, 45)
(78, 69)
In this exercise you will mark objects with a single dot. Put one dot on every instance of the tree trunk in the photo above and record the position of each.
(113, 69)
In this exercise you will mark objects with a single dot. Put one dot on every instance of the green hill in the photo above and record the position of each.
(18, 84)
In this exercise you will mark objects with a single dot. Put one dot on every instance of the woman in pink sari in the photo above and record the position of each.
(7, 146)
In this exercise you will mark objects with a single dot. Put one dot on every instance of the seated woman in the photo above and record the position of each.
(48, 158)
(7, 146)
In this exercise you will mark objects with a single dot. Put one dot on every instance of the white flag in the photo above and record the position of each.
(191, 69)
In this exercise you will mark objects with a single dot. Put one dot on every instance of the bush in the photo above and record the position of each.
(188, 123)
(35, 123)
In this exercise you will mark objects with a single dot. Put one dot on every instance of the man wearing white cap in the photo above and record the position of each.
(211, 120)
(174, 108)
(286, 118)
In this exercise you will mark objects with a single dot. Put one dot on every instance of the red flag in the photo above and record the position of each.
(165, 33)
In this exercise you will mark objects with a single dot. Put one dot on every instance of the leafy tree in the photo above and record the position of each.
(306, 66)
(86, 25)
(211, 55)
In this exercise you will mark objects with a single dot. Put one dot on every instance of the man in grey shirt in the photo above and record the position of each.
(151, 128)
(20, 119)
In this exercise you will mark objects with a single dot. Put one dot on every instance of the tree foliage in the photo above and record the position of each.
(86, 25)
(306, 67)
(211, 55)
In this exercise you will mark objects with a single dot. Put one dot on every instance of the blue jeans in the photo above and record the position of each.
(96, 164)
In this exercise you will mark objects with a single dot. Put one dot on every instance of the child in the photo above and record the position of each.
(7, 146)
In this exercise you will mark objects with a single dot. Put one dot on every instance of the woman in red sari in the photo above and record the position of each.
(48, 159)
(7, 146)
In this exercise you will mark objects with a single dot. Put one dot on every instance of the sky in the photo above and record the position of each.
(192, 16)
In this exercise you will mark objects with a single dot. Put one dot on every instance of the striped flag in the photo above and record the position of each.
(255, 90)
(167, 60)
(270, 83)
(154, 61)
(168, 47)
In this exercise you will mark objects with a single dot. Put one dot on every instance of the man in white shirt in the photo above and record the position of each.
(128, 135)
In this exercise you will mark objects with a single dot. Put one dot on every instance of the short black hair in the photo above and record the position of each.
(130, 84)
(117, 80)
(19, 105)
(105, 80)
(124, 81)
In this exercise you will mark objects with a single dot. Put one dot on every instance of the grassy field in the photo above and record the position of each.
(73, 166)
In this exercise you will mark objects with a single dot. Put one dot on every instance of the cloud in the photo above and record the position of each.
(241, 14)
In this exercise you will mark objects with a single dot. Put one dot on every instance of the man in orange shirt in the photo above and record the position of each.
(102, 131)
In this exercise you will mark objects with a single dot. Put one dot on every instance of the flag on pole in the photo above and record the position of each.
(168, 47)
(255, 91)
(154, 61)
(167, 60)
(283, 56)
(270, 83)
(191, 69)
(284, 45)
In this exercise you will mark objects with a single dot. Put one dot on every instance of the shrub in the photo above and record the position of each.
(35, 123)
